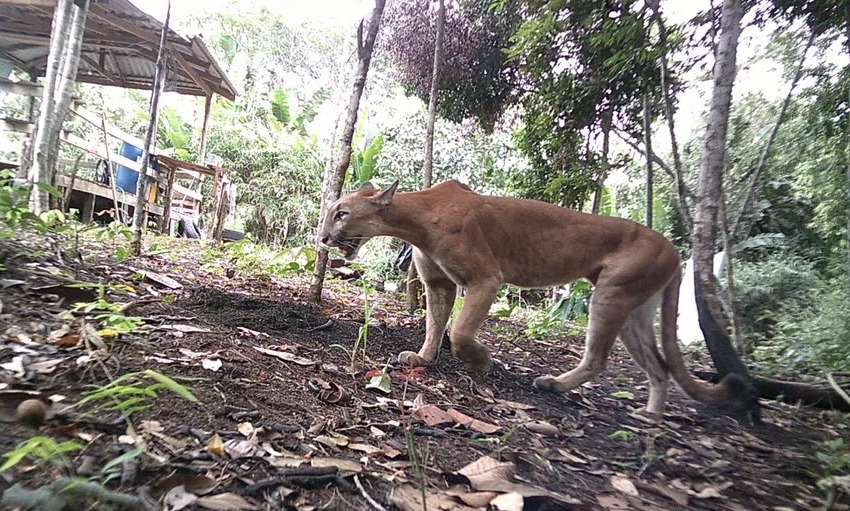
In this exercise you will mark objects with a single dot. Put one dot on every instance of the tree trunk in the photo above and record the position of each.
(414, 286)
(428, 165)
(142, 183)
(41, 144)
(847, 148)
(647, 141)
(65, 87)
(709, 195)
(332, 182)
(669, 113)
(604, 165)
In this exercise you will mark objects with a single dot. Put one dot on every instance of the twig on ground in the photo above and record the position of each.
(366, 495)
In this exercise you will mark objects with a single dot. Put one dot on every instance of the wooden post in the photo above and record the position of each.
(165, 220)
(88, 207)
(202, 150)
(216, 194)
(141, 186)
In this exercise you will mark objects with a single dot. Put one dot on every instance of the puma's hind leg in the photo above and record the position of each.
(609, 308)
(440, 294)
(638, 336)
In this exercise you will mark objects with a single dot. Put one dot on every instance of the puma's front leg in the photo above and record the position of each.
(440, 294)
(476, 306)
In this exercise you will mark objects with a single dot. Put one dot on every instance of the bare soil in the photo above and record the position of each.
(595, 451)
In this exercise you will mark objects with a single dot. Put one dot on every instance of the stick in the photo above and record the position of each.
(366, 496)
(117, 216)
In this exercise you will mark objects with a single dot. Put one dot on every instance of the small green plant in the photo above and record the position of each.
(622, 434)
(363, 331)
(132, 392)
(114, 232)
(43, 448)
(256, 258)
(836, 460)
(111, 315)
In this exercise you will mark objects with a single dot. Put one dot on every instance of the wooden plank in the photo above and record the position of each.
(30, 3)
(88, 208)
(20, 88)
(91, 187)
(187, 192)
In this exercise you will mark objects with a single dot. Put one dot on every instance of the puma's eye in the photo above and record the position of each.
(340, 215)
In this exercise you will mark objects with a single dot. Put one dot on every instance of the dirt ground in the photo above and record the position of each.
(295, 426)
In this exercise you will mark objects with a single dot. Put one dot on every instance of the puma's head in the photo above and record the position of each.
(355, 218)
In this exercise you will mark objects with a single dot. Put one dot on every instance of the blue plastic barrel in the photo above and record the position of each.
(126, 179)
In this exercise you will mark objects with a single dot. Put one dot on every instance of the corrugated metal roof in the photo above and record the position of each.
(119, 47)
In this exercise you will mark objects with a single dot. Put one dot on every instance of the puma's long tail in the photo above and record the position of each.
(727, 390)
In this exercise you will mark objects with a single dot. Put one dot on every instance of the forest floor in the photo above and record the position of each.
(283, 420)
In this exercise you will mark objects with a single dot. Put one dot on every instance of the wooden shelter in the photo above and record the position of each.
(118, 49)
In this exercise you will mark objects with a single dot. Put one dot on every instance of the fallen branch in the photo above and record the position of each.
(57, 494)
(366, 496)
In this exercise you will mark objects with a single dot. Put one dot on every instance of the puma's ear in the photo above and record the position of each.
(366, 186)
(385, 197)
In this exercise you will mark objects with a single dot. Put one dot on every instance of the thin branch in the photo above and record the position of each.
(625, 137)
(750, 191)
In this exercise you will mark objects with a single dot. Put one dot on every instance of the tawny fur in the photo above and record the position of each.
(480, 242)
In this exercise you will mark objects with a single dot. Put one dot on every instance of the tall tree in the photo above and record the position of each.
(413, 284)
(39, 172)
(153, 111)
(710, 193)
(333, 181)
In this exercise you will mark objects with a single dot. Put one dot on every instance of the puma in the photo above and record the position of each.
(480, 242)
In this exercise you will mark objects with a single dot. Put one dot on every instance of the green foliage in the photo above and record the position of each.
(132, 392)
(836, 466)
(476, 80)
(250, 256)
(364, 163)
(43, 448)
(14, 206)
(791, 316)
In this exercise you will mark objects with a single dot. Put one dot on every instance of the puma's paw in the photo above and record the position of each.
(474, 355)
(409, 358)
(651, 417)
(547, 383)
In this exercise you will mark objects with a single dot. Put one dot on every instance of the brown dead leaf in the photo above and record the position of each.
(485, 471)
(625, 485)
(215, 445)
(433, 415)
(543, 428)
(713, 491)
(225, 502)
(286, 356)
(408, 497)
(469, 422)
(67, 341)
(252, 333)
(508, 502)
(163, 280)
(186, 329)
(476, 499)
(613, 502)
(677, 496)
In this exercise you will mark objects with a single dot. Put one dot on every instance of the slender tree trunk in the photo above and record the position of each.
(739, 228)
(333, 181)
(142, 183)
(604, 165)
(710, 193)
(414, 286)
(847, 149)
(669, 113)
(65, 87)
(41, 144)
(428, 165)
(647, 141)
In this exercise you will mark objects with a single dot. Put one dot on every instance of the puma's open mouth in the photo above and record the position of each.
(348, 247)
